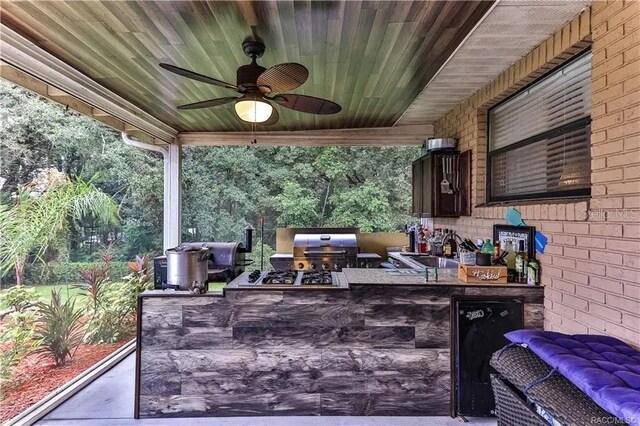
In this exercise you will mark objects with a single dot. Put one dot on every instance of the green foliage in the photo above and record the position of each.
(59, 330)
(68, 272)
(114, 319)
(297, 206)
(44, 210)
(224, 188)
(16, 339)
(95, 281)
(19, 298)
(365, 206)
(256, 254)
(17, 328)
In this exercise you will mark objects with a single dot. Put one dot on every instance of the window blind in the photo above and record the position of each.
(539, 140)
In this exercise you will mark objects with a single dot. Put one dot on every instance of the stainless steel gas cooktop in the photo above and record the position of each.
(289, 278)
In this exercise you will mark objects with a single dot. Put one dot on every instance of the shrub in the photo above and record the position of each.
(19, 298)
(16, 332)
(16, 338)
(95, 281)
(68, 272)
(115, 317)
(59, 329)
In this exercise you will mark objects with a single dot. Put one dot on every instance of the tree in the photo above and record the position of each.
(42, 211)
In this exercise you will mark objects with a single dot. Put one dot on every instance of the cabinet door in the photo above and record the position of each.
(427, 187)
(465, 183)
(416, 188)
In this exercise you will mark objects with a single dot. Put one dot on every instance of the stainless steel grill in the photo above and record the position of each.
(325, 251)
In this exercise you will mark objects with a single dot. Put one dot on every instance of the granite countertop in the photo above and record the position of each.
(357, 276)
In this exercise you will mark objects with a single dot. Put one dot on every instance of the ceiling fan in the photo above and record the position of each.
(258, 86)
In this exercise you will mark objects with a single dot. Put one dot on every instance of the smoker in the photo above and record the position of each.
(225, 261)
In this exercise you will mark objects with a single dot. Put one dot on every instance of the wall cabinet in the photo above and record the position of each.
(429, 198)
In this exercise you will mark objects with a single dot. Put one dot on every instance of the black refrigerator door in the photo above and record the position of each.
(481, 325)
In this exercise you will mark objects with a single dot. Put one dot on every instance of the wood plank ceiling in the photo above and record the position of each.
(371, 57)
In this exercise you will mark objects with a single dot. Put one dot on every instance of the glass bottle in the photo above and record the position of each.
(436, 243)
(446, 245)
(496, 249)
(453, 244)
(487, 247)
(521, 263)
(533, 273)
(422, 242)
(511, 254)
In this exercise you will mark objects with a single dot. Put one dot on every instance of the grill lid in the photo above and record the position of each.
(346, 241)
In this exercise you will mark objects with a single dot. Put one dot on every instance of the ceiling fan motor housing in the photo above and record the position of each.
(247, 76)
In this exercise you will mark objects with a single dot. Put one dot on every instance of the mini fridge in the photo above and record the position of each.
(480, 329)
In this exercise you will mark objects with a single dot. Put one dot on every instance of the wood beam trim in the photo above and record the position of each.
(37, 86)
(382, 136)
(29, 58)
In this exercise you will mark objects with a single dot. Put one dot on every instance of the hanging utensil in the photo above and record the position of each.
(444, 184)
(450, 167)
(457, 175)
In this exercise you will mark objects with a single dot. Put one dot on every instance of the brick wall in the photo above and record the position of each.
(591, 267)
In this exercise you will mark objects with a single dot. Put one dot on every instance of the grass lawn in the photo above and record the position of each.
(216, 287)
(66, 291)
(44, 291)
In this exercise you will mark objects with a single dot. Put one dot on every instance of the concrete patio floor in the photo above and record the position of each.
(109, 401)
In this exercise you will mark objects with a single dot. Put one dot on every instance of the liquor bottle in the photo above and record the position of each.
(510, 258)
(422, 242)
(521, 263)
(453, 244)
(446, 246)
(496, 249)
(435, 244)
(533, 273)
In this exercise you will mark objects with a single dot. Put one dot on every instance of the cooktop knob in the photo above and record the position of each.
(300, 265)
(313, 266)
(325, 266)
(336, 266)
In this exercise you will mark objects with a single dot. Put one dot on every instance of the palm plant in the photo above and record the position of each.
(43, 211)
(60, 330)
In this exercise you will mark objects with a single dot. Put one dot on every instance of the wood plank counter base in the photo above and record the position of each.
(374, 348)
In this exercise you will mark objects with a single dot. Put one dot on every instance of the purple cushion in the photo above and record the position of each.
(603, 367)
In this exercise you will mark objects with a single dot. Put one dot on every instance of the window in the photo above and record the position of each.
(539, 139)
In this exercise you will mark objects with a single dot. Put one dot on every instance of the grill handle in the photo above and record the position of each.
(320, 252)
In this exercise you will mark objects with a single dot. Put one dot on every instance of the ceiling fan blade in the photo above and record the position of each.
(282, 77)
(209, 103)
(195, 76)
(273, 119)
(308, 104)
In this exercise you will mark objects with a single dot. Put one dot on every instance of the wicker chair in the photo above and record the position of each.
(519, 368)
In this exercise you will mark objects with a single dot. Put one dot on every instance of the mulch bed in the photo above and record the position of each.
(37, 375)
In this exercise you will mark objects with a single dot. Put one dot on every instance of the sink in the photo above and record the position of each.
(430, 261)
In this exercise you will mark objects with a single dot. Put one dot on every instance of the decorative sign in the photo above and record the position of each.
(503, 233)
(486, 274)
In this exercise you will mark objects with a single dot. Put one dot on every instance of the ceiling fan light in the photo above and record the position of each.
(253, 111)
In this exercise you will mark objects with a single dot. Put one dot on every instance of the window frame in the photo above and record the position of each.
(557, 131)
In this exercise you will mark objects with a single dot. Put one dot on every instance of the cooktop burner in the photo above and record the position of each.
(280, 277)
(316, 277)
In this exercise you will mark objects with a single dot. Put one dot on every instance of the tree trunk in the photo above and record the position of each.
(20, 264)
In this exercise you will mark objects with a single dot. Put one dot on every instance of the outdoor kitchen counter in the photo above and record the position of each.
(379, 347)
(448, 277)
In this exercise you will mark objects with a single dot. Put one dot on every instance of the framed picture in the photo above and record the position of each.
(516, 234)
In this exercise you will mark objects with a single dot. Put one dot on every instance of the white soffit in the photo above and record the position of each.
(508, 32)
